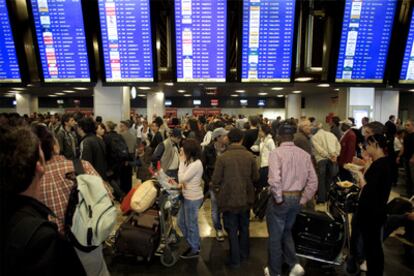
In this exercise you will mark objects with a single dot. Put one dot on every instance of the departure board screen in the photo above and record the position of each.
(200, 27)
(268, 32)
(126, 40)
(61, 38)
(407, 70)
(9, 66)
(365, 39)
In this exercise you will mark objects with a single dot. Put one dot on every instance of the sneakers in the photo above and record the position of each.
(190, 254)
(219, 235)
(297, 270)
(363, 266)
(266, 271)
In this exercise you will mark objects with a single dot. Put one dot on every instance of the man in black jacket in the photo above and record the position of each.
(250, 136)
(66, 137)
(30, 243)
(219, 142)
(92, 148)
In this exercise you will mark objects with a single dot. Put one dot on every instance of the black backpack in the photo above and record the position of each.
(118, 149)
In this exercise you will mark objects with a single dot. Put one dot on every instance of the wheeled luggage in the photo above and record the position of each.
(139, 235)
(318, 236)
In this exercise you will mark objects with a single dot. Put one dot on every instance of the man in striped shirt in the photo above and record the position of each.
(293, 182)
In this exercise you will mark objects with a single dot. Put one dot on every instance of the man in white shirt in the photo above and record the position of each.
(326, 150)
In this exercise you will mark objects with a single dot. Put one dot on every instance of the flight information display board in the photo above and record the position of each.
(200, 27)
(126, 40)
(61, 39)
(365, 39)
(9, 65)
(407, 70)
(268, 32)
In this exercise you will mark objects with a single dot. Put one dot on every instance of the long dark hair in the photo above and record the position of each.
(194, 128)
(380, 140)
(192, 150)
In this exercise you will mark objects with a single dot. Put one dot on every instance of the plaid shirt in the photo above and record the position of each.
(55, 187)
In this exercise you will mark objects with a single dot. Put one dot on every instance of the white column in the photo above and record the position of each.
(360, 103)
(26, 104)
(386, 104)
(155, 104)
(126, 99)
(293, 106)
(109, 102)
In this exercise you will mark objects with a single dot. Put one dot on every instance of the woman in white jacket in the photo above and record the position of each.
(190, 172)
(265, 146)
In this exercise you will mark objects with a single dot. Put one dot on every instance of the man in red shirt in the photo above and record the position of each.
(348, 144)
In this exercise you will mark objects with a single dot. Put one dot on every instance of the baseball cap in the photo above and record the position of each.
(346, 122)
(286, 129)
(218, 132)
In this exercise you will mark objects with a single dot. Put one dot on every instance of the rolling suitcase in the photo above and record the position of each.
(139, 235)
(318, 236)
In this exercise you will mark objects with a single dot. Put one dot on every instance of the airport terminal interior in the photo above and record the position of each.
(291, 121)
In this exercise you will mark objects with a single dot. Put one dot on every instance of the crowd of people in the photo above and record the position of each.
(225, 158)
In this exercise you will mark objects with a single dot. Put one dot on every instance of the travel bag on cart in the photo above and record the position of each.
(318, 235)
(144, 197)
(139, 235)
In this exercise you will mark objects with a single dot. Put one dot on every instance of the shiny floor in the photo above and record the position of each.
(214, 255)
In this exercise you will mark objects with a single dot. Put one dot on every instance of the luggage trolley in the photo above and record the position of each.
(325, 236)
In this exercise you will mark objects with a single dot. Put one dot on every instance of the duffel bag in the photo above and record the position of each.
(144, 197)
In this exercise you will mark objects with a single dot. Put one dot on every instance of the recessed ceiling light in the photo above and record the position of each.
(69, 91)
(141, 95)
(13, 91)
(323, 85)
(234, 95)
(169, 83)
(336, 89)
(187, 95)
(277, 88)
(181, 91)
(280, 96)
(80, 88)
(19, 88)
(297, 91)
(8, 95)
(30, 85)
(411, 90)
(51, 95)
(144, 88)
(60, 94)
(240, 91)
(303, 79)
(262, 93)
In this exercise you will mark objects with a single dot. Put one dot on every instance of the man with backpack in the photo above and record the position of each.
(30, 243)
(167, 152)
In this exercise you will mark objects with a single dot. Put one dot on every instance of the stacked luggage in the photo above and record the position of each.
(148, 229)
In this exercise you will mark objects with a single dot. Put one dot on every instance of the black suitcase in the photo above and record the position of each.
(139, 235)
(317, 235)
(399, 206)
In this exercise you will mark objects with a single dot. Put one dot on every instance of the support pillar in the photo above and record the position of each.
(155, 105)
(386, 103)
(293, 106)
(112, 103)
(26, 104)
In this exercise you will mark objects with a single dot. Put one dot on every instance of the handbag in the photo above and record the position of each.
(260, 204)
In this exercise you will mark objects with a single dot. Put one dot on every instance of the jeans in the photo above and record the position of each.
(280, 220)
(215, 213)
(326, 174)
(188, 222)
(237, 228)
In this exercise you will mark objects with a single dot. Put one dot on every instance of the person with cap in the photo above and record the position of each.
(217, 146)
(167, 152)
(234, 173)
(293, 182)
(348, 144)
